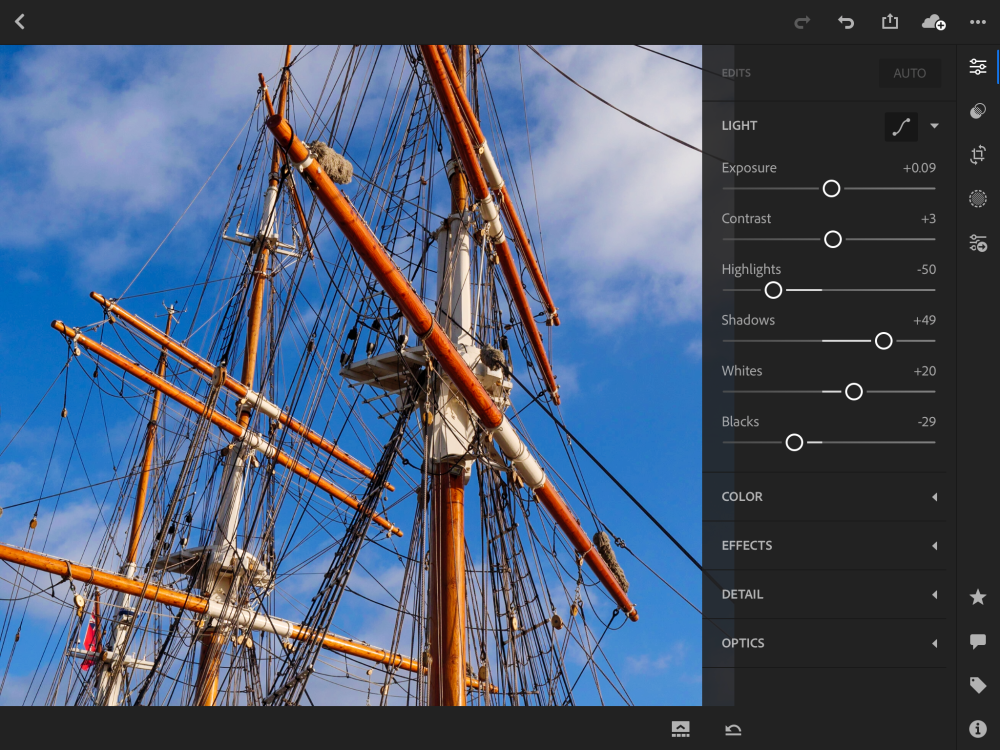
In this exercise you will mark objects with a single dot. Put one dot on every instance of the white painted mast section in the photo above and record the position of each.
(452, 430)
(224, 542)
(110, 681)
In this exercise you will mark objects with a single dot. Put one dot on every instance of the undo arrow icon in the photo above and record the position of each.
(848, 22)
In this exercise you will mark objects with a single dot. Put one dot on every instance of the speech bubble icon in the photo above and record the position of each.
(977, 639)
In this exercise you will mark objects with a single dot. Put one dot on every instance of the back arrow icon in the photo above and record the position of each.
(18, 22)
(848, 22)
(800, 23)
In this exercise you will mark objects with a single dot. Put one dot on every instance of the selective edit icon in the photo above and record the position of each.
(680, 729)
(978, 111)
(978, 154)
(977, 198)
(977, 685)
(890, 22)
(977, 242)
(977, 67)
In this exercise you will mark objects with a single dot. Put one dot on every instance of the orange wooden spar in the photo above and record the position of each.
(435, 341)
(388, 275)
(200, 605)
(562, 514)
(506, 205)
(468, 154)
(230, 383)
(219, 420)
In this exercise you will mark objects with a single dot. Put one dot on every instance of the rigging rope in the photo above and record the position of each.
(622, 111)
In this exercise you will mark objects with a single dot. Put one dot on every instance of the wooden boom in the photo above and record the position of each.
(242, 617)
(435, 341)
(235, 429)
(468, 152)
(235, 386)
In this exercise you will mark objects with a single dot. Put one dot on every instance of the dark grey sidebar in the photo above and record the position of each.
(840, 222)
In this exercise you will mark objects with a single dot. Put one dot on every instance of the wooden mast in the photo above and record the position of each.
(109, 684)
(147, 459)
(437, 65)
(213, 641)
(446, 582)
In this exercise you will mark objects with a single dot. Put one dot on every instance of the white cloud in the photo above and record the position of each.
(651, 664)
(620, 205)
(27, 276)
(107, 145)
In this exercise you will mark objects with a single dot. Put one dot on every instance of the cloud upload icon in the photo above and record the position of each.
(933, 21)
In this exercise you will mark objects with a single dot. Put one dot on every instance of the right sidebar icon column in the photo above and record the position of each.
(978, 241)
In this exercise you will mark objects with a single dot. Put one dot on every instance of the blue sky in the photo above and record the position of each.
(104, 148)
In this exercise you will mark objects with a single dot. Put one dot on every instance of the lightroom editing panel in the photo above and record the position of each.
(583, 375)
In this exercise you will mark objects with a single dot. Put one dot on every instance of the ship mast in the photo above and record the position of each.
(464, 404)
(109, 684)
(213, 640)
(452, 434)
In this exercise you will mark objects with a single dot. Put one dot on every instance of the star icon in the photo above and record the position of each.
(977, 598)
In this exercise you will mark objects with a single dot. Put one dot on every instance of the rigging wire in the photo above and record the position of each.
(628, 494)
(181, 217)
(683, 62)
(621, 111)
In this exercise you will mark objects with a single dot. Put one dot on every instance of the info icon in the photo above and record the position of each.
(901, 126)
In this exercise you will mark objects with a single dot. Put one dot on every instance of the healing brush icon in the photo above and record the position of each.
(978, 111)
